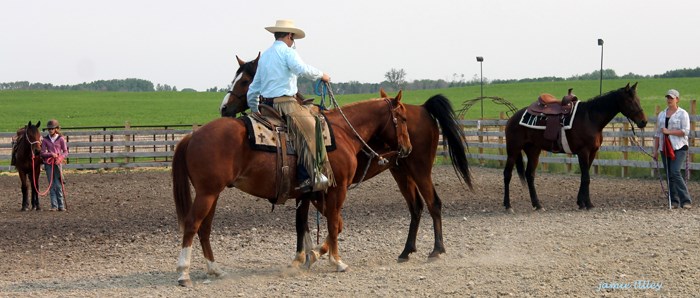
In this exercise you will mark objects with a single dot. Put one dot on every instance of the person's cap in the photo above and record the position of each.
(53, 123)
(673, 93)
(286, 26)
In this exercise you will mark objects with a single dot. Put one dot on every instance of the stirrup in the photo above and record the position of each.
(321, 182)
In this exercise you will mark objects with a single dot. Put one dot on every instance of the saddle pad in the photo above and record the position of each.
(540, 121)
(262, 138)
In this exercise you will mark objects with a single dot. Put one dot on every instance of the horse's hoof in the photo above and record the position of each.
(24, 209)
(510, 210)
(311, 258)
(402, 260)
(434, 258)
(540, 209)
(342, 267)
(185, 283)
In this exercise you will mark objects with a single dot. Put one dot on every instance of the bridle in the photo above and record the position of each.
(31, 143)
(394, 118)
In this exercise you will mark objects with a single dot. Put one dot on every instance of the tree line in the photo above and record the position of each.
(395, 79)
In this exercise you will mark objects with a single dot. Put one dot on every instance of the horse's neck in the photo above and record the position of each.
(365, 120)
(602, 109)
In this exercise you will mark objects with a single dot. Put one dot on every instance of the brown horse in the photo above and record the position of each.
(218, 155)
(28, 162)
(584, 138)
(412, 174)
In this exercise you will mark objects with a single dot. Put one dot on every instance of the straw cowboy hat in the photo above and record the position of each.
(286, 26)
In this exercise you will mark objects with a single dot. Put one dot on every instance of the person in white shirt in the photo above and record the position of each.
(673, 124)
(275, 84)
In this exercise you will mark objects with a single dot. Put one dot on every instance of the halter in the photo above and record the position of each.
(396, 125)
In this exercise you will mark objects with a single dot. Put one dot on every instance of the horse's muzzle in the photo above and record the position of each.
(641, 123)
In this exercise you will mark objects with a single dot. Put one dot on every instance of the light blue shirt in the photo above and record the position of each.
(278, 69)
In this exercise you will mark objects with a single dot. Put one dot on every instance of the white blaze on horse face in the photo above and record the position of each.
(183, 263)
(235, 80)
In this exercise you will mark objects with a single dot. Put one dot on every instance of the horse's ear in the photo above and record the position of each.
(240, 62)
(382, 94)
(634, 87)
(29, 124)
(398, 96)
(257, 58)
(38, 124)
(627, 87)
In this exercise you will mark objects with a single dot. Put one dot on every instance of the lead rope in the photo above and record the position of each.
(372, 154)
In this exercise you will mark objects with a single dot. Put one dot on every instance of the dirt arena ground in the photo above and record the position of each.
(120, 238)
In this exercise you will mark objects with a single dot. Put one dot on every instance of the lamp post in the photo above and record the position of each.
(600, 43)
(481, 66)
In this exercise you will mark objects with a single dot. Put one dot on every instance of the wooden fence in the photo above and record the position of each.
(153, 146)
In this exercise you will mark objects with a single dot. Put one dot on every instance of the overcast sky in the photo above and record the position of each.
(192, 44)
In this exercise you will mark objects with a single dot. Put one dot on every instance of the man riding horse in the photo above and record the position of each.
(275, 84)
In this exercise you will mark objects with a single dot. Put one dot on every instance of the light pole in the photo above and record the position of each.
(481, 66)
(600, 43)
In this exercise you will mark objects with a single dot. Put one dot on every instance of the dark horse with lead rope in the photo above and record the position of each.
(413, 174)
(218, 155)
(28, 163)
(583, 137)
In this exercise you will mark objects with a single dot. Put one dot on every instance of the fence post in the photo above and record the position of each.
(693, 111)
(480, 128)
(625, 143)
(127, 138)
(501, 130)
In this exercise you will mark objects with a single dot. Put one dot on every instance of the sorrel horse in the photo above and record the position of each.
(218, 155)
(29, 168)
(584, 138)
(412, 174)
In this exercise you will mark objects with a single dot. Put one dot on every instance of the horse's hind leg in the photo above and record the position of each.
(507, 176)
(203, 233)
(200, 210)
(533, 157)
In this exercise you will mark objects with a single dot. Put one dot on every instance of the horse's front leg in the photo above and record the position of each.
(533, 158)
(305, 255)
(415, 208)
(334, 204)
(25, 195)
(35, 191)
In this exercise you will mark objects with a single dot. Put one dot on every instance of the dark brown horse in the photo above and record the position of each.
(218, 155)
(412, 174)
(28, 163)
(584, 138)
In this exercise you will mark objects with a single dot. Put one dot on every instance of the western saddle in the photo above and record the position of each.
(555, 112)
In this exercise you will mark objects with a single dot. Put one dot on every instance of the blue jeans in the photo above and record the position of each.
(56, 191)
(676, 184)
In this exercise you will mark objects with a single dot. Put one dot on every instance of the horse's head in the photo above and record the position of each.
(33, 137)
(236, 100)
(398, 118)
(631, 107)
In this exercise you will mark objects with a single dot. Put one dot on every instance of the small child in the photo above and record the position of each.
(53, 151)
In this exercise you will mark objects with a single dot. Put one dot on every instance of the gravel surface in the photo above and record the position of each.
(120, 237)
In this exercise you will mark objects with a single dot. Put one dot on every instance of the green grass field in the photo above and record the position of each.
(85, 108)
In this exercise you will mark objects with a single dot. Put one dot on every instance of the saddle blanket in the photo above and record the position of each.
(262, 138)
(540, 121)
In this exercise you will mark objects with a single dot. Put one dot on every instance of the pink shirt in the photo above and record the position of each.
(48, 147)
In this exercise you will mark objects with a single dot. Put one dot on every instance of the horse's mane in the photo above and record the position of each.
(603, 101)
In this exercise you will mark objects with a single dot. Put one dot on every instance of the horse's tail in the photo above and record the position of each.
(181, 181)
(440, 109)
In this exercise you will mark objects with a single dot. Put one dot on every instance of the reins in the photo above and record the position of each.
(51, 161)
